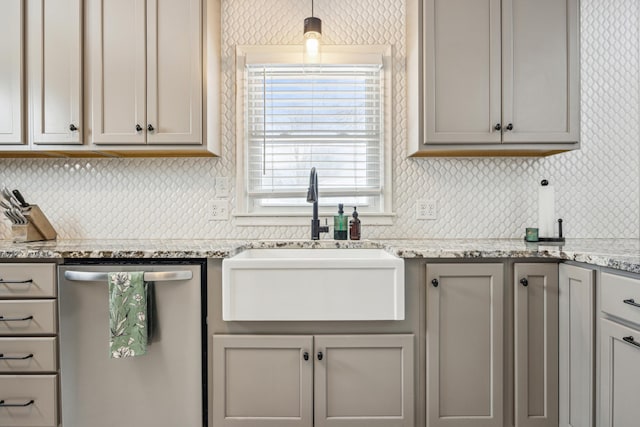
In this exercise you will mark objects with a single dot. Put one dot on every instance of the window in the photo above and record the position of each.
(331, 115)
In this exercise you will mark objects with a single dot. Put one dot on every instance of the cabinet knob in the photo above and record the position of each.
(72, 127)
(435, 283)
(510, 126)
(305, 355)
(320, 355)
(150, 128)
(498, 127)
(631, 340)
(138, 128)
(524, 282)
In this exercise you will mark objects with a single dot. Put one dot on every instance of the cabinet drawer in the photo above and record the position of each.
(39, 395)
(27, 280)
(28, 317)
(27, 355)
(620, 297)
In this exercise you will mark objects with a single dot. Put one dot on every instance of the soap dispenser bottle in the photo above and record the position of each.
(354, 226)
(340, 224)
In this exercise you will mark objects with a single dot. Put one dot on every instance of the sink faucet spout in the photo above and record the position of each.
(312, 197)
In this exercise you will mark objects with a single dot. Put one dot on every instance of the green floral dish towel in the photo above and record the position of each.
(127, 314)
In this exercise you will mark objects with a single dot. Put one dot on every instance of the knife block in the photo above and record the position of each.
(37, 229)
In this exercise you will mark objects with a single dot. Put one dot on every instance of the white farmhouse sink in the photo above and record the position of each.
(313, 284)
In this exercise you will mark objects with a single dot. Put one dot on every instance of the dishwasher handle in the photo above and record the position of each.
(150, 276)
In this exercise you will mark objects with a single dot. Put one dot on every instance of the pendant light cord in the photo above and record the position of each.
(312, 8)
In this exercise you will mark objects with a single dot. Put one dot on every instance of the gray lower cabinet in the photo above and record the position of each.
(467, 356)
(576, 345)
(536, 344)
(28, 349)
(465, 345)
(619, 375)
(304, 380)
(619, 361)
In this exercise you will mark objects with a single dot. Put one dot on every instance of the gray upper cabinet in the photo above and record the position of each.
(11, 69)
(54, 45)
(465, 345)
(540, 71)
(50, 86)
(146, 68)
(462, 71)
(304, 381)
(493, 77)
(536, 345)
(85, 78)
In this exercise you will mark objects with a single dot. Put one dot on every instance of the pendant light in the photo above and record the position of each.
(312, 34)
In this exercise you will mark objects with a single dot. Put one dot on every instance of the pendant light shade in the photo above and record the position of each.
(312, 34)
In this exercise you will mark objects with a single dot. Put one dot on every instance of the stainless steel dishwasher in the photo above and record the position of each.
(164, 388)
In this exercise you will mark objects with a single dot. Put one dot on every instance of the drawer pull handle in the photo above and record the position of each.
(524, 282)
(631, 340)
(15, 319)
(3, 357)
(320, 355)
(15, 282)
(306, 355)
(16, 405)
(631, 302)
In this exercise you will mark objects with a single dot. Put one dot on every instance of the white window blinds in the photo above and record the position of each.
(329, 116)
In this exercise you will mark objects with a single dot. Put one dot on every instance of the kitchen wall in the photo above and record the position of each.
(597, 187)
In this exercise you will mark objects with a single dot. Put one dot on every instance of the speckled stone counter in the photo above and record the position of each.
(622, 254)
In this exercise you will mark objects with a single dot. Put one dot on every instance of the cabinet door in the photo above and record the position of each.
(174, 73)
(576, 346)
(536, 345)
(364, 380)
(11, 72)
(55, 69)
(619, 375)
(462, 71)
(465, 339)
(540, 70)
(118, 74)
(262, 381)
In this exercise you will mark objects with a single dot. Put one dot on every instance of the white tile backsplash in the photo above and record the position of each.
(597, 187)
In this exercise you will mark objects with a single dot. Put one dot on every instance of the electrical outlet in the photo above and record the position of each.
(426, 209)
(219, 210)
(222, 187)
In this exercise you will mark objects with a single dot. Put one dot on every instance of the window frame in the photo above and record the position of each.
(292, 54)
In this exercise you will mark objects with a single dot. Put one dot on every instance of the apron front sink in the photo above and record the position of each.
(312, 284)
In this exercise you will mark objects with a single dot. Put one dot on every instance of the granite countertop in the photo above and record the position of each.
(622, 254)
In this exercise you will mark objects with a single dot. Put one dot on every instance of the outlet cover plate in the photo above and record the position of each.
(219, 210)
(426, 209)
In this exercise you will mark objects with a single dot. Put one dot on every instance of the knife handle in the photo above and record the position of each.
(20, 198)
